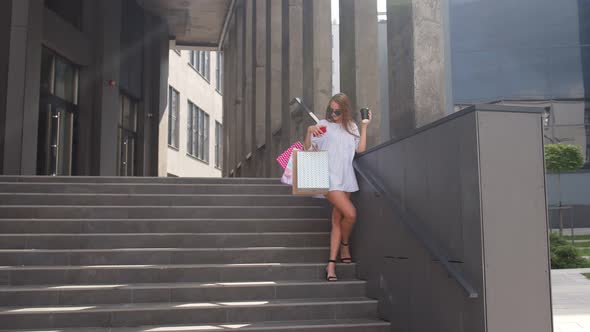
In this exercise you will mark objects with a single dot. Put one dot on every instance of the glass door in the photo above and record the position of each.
(57, 127)
(57, 114)
(127, 137)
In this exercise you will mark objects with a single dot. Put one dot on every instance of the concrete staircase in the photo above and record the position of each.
(169, 254)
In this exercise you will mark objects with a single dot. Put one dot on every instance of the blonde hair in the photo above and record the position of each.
(344, 102)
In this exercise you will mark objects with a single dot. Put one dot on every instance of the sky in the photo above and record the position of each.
(381, 7)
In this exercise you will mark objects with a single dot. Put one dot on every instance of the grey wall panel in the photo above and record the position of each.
(440, 182)
(514, 222)
(573, 190)
(32, 87)
(65, 39)
(133, 40)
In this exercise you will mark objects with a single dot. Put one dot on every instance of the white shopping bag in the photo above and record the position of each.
(311, 174)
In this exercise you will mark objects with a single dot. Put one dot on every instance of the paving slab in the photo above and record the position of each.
(571, 300)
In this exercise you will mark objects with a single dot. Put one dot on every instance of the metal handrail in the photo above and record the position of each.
(432, 248)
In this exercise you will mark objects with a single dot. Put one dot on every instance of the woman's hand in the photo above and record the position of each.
(365, 122)
(316, 130)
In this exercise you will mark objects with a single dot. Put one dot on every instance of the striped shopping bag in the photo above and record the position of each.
(283, 158)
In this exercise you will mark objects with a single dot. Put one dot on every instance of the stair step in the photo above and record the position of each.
(327, 325)
(77, 257)
(163, 225)
(157, 199)
(186, 313)
(145, 188)
(131, 180)
(115, 212)
(59, 295)
(162, 240)
(123, 274)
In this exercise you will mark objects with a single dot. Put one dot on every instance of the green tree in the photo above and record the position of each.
(562, 158)
(564, 255)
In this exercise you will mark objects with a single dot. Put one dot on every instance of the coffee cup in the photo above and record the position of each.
(365, 115)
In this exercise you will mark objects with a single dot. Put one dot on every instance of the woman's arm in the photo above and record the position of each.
(363, 141)
(312, 130)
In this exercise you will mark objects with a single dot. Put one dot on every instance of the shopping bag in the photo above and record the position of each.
(311, 174)
(287, 177)
(284, 157)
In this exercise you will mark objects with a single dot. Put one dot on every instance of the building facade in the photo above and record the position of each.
(497, 57)
(83, 85)
(194, 114)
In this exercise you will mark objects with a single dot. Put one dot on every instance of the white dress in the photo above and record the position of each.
(341, 147)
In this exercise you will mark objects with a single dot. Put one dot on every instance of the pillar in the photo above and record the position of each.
(416, 56)
(261, 108)
(359, 71)
(109, 42)
(295, 66)
(275, 87)
(22, 75)
(322, 55)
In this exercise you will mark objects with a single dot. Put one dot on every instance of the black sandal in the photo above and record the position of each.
(329, 277)
(345, 260)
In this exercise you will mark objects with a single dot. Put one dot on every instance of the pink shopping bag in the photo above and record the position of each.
(283, 158)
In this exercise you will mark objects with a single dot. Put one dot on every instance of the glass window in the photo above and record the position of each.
(58, 77)
(198, 133)
(218, 145)
(219, 72)
(65, 81)
(173, 120)
(200, 61)
(205, 137)
(189, 130)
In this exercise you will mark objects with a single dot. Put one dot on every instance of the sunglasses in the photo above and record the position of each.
(336, 112)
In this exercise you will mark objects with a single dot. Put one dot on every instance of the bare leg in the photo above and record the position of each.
(341, 201)
(335, 237)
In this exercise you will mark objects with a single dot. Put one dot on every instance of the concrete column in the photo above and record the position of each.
(109, 40)
(250, 88)
(416, 39)
(5, 24)
(261, 108)
(322, 55)
(156, 141)
(275, 74)
(146, 105)
(22, 89)
(85, 153)
(229, 104)
(359, 70)
(239, 133)
(286, 135)
(308, 51)
(295, 68)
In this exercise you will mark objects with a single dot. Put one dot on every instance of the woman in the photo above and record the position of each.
(341, 139)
